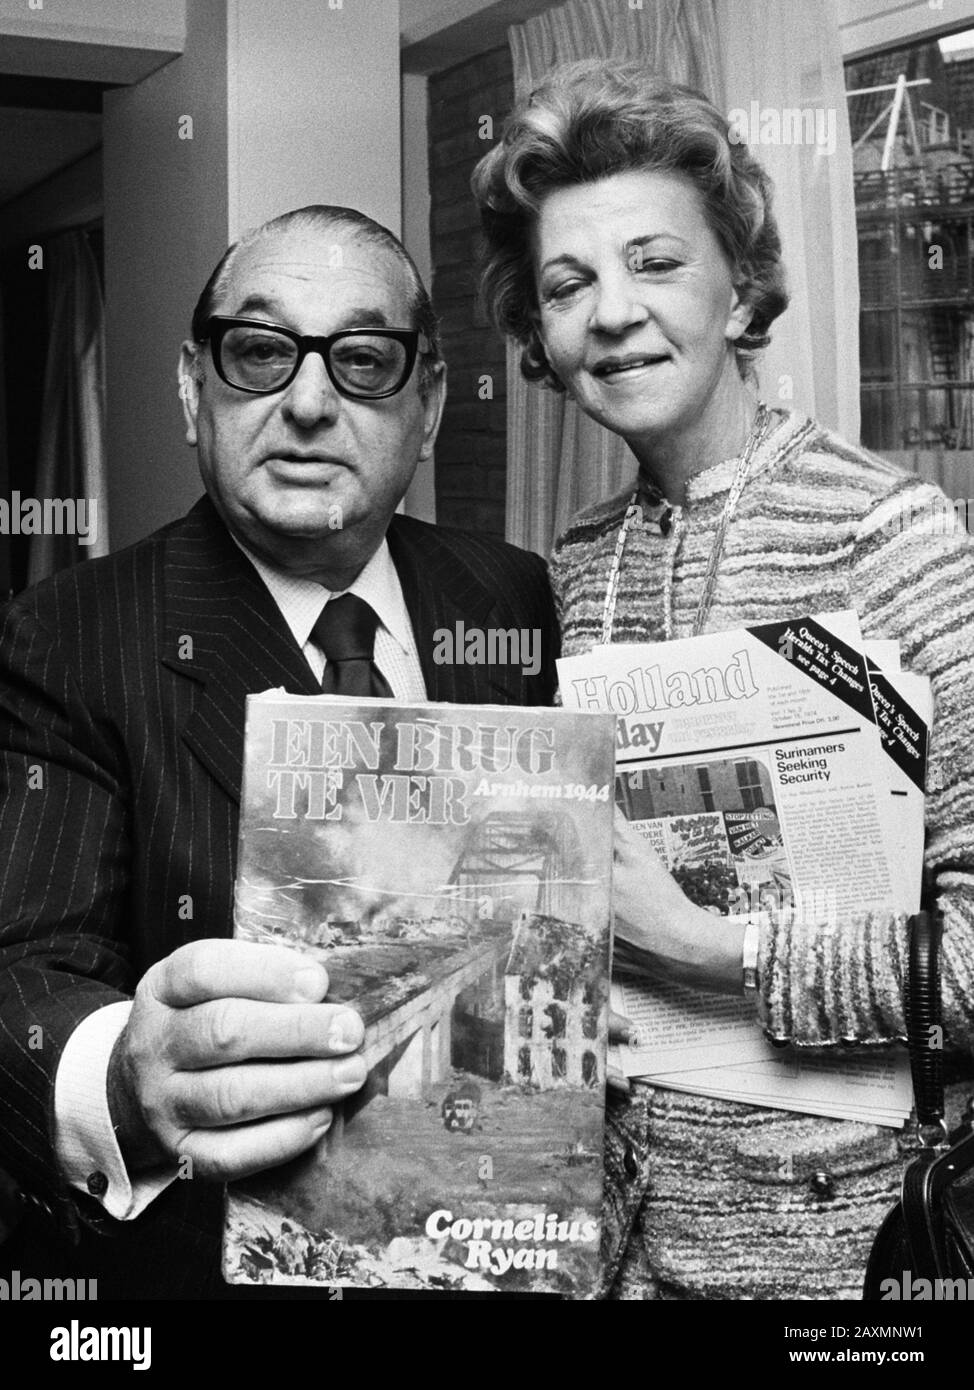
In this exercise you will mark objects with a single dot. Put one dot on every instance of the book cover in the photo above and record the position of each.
(450, 866)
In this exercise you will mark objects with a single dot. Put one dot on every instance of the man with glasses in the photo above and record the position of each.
(312, 386)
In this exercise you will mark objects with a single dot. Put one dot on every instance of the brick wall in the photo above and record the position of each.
(471, 464)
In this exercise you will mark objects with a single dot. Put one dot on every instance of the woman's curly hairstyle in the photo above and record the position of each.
(596, 118)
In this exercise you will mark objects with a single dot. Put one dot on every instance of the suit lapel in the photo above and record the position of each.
(224, 631)
(440, 592)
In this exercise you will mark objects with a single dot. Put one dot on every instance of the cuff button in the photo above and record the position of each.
(822, 1185)
(97, 1183)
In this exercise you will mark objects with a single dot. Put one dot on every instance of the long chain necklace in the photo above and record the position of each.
(763, 421)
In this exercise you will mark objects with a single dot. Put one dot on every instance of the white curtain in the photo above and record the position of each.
(71, 449)
(782, 53)
(785, 54)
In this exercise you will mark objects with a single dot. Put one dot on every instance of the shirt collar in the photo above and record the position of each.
(302, 600)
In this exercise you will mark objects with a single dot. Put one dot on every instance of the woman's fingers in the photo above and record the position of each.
(617, 1082)
(620, 1028)
(620, 1032)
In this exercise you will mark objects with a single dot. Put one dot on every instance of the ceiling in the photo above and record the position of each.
(46, 124)
(438, 34)
(49, 123)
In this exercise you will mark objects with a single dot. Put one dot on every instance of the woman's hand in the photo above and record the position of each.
(621, 1034)
(659, 931)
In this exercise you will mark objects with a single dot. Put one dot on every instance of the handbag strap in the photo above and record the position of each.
(924, 1029)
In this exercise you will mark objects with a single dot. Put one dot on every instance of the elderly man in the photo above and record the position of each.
(145, 1056)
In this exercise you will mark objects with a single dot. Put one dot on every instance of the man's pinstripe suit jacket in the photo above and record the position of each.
(122, 687)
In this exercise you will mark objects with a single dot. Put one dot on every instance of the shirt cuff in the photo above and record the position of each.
(85, 1144)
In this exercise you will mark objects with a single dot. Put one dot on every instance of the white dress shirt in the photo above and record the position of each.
(85, 1140)
(302, 600)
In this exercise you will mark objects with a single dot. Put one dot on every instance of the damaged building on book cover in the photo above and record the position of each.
(551, 1006)
(474, 943)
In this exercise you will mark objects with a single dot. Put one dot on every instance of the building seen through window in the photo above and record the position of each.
(912, 120)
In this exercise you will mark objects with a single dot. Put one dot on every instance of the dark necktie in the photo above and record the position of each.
(345, 632)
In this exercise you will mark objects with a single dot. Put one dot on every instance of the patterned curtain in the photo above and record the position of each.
(781, 53)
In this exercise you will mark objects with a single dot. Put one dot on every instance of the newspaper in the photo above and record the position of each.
(754, 764)
(903, 703)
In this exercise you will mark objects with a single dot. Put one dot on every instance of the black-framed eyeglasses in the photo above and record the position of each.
(365, 364)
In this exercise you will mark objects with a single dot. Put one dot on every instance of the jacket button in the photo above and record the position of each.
(822, 1185)
(629, 1162)
(97, 1183)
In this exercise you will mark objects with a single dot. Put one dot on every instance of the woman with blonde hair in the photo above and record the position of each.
(632, 253)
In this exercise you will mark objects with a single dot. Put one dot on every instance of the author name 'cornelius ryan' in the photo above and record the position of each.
(483, 1234)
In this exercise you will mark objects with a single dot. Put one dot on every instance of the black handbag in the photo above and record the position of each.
(929, 1234)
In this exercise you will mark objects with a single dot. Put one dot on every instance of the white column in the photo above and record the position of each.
(313, 108)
